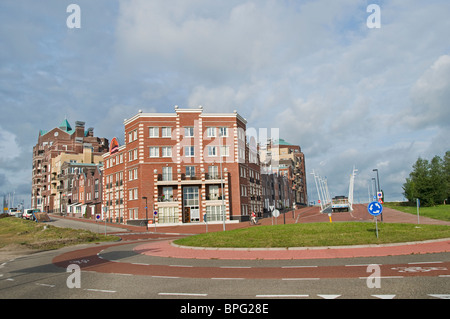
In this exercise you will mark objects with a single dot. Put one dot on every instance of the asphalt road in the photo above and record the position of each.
(97, 227)
(109, 273)
(36, 276)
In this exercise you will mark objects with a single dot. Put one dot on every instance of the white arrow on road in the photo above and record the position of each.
(441, 296)
(329, 296)
(384, 296)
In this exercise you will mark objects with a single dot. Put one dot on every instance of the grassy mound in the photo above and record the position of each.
(317, 234)
(18, 232)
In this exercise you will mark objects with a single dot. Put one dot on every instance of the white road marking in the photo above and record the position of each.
(329, 296)
(282, 296)
(383, 277)
(299, 267)
(440, 296)
(187, 266)
(228, 278)
(384, 296)
(181, 294)
(101, 290)
(300, 278)
(45, 285)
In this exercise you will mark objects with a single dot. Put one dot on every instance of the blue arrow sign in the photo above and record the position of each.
(375, 208)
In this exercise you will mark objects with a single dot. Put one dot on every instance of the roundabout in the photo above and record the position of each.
(155, 254)
(159, 258)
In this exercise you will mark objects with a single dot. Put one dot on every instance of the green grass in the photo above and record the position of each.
(317, 234)
(32, 235)
(441, 212)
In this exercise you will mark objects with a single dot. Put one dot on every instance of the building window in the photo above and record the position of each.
(133, 213)
(188, 132)
(132, 136)
(214, 213)
(167, 194)
(153, 132)
(133, 194)
(132, 174)
(213, 172)
(189, 151)
(168, 215)
(166, 132)
(225, 151)
(190, 171)
(133, 155)
(154, 151)
(213, 192)
(223, 131)
(211, 132)
(167, 173)
(166, 151)
(212, 150)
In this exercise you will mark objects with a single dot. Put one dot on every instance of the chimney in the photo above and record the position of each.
(79, 129)
(88, 156)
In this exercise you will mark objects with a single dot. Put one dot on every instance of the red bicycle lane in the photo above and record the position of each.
(89, 259)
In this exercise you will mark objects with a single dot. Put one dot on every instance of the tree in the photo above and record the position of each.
(429, 181)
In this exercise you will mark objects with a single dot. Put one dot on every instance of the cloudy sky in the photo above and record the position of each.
(346, 93)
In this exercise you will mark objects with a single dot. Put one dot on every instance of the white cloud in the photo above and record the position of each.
(347, 94)
(9, 149)
(430, 96)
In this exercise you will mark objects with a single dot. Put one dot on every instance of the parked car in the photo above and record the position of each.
(28, 214)
(15, 212)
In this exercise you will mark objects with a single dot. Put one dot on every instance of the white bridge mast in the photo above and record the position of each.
(350, 189)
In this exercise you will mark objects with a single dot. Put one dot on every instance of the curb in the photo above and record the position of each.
(310, 248)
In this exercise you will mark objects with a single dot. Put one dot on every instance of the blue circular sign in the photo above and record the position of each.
(375, 208)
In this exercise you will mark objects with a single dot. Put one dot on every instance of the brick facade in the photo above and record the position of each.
(170, 164)
(53, 148)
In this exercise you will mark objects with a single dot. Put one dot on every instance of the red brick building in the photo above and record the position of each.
(53, 147)
(182, 165)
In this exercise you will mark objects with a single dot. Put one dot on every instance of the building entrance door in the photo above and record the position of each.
(191, 208)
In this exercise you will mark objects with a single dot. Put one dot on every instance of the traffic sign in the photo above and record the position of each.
(155, 213)
(375, 208)
(97, 216)
(379, 194)
(276, 213)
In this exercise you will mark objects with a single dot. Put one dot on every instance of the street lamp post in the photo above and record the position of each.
(146, 212)
(221, 180)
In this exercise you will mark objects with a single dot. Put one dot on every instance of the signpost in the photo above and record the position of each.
(276, 214)
(375, 209)
(418, 205)
(205, 219)
(105, 210)
(154, 218)
(97, 218)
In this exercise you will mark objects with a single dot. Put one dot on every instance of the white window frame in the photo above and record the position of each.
(166, 131)
(189, 151)
(166, 151)
(153, 132)
(153, 151)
